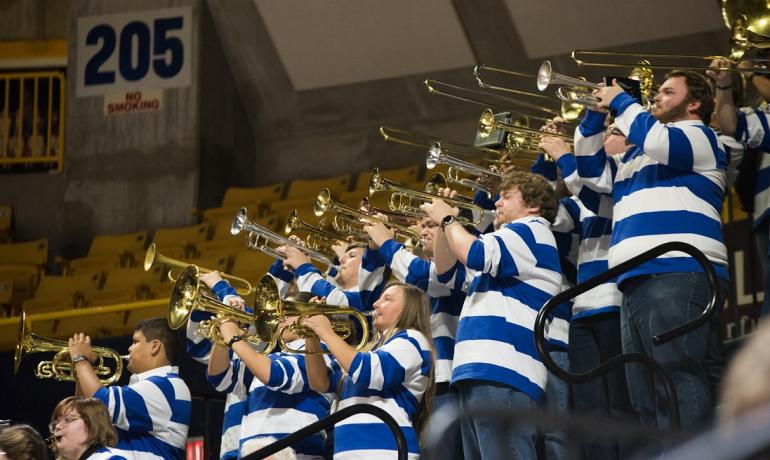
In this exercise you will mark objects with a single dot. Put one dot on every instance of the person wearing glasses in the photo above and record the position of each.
(22, 442)
(81, 429)
(151, 413)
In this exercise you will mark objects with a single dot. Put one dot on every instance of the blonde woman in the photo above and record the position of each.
(395, 375)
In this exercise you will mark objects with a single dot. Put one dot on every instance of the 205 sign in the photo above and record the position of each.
(134, 51)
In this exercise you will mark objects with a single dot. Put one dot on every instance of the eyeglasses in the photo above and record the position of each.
(62, 421)
(612, 131)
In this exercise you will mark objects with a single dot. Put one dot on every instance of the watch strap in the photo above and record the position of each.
(233, 339)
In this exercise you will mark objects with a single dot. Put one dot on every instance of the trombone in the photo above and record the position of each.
(522, 138)
(317, 238)
(407, 200)
(187, 296)
(152, 257)
(348, 220)
(60, 367)
(260, 239)
(272, 312)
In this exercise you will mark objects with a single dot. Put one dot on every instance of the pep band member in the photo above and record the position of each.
(82, 429)
(151, 413)
(22, 442)
(396, 375)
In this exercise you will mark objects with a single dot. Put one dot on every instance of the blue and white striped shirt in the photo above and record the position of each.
(110, 453)
(283, 406)
(309, 279)
(669, 187)
(753, 129)
(151, 414)
(393, 377)
(513, 272)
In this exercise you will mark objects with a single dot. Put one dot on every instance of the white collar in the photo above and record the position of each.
(162, 370)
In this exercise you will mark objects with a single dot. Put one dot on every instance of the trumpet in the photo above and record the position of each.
(187, 296)
(438, 181)
(349, 220)
(260, 239)
(407, 200)
(152, 257)
(396, 217)
(317, 238)
(60, 367)
(547, 77)
(425, 141)
(522, 138)
(272, 313)
(436, 156)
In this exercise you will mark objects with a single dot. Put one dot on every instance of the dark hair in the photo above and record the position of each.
(535, 191)
(698, 89)
(22, 442)
(158, 329)
(94, 413)
(357, 244)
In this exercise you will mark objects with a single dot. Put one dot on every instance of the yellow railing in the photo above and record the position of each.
(32, 111)
(103, 321)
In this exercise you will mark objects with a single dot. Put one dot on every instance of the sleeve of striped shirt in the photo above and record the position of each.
(309, 279)
(144, 406)
(546, 169)
(567, 217)
(690, 147)
(282, 277)
(198, 348)
(390, 365)
(505, 252)
(752, 128)
(406, 267)
(373, 274)
(236, 379)
(288, 374)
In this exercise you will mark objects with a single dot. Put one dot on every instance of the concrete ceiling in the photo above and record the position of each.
(329, 43)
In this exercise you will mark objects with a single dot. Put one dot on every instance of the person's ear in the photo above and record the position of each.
(156, 346)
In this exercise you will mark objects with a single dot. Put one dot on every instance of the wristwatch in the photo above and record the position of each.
(233, 339)
(77, 358)
(447, 220)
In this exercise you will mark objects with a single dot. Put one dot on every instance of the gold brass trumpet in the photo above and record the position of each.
(187, 296)
(407, 201)
(60, 367)
(153, 257)
(272, 312)
(317, 238)
(267, 241)
(452, 147)
(349, 220)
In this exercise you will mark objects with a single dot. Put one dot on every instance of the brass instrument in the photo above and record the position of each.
(267, 241)
(152, 257)
(60, 367)
(439, 181)
(187, 296)
(547, 77)
(393, 217)
(451, 91)
(407, 200)
(317, 238)
(272, 311)
(521, 138)
(436, 156)
(568, 110)
(349, 220)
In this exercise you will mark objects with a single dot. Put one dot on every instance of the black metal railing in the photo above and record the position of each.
(328, 422)
(574, 378)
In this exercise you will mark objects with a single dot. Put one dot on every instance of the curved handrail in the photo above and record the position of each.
(708, 312)
(331, 420)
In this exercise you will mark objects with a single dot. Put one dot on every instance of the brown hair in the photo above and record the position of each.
(698, 89)
(415, 315)
(535, 191)
(94, 414)
(158, 329)
(22, 442)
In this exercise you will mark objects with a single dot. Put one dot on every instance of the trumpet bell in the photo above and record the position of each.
(434, 156)
(322, 201)
(238, 222)
(22, 344)
(544, 75)
(183, 296)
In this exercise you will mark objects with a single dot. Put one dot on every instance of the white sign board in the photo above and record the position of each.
(134, 51)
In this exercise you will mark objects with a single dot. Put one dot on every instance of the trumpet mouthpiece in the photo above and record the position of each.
(125, 357)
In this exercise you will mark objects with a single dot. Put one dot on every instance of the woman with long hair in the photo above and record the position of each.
(81, 428)
(394, 373)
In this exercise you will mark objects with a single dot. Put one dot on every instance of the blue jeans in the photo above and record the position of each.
(452, 446)
(557, 401)
(652, 305)
(592, 341)
(487, 440)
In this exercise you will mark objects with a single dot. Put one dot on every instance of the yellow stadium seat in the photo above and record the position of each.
(238, 196)
(136, 279)
(404, 175)
(187, 237)
(6, 215)
(228, 213)
(28, 253)
(6, 296)
(116, 244)
(89, 264)
(224, 247)
(299, 188)
(61, 292)
(251, 265)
